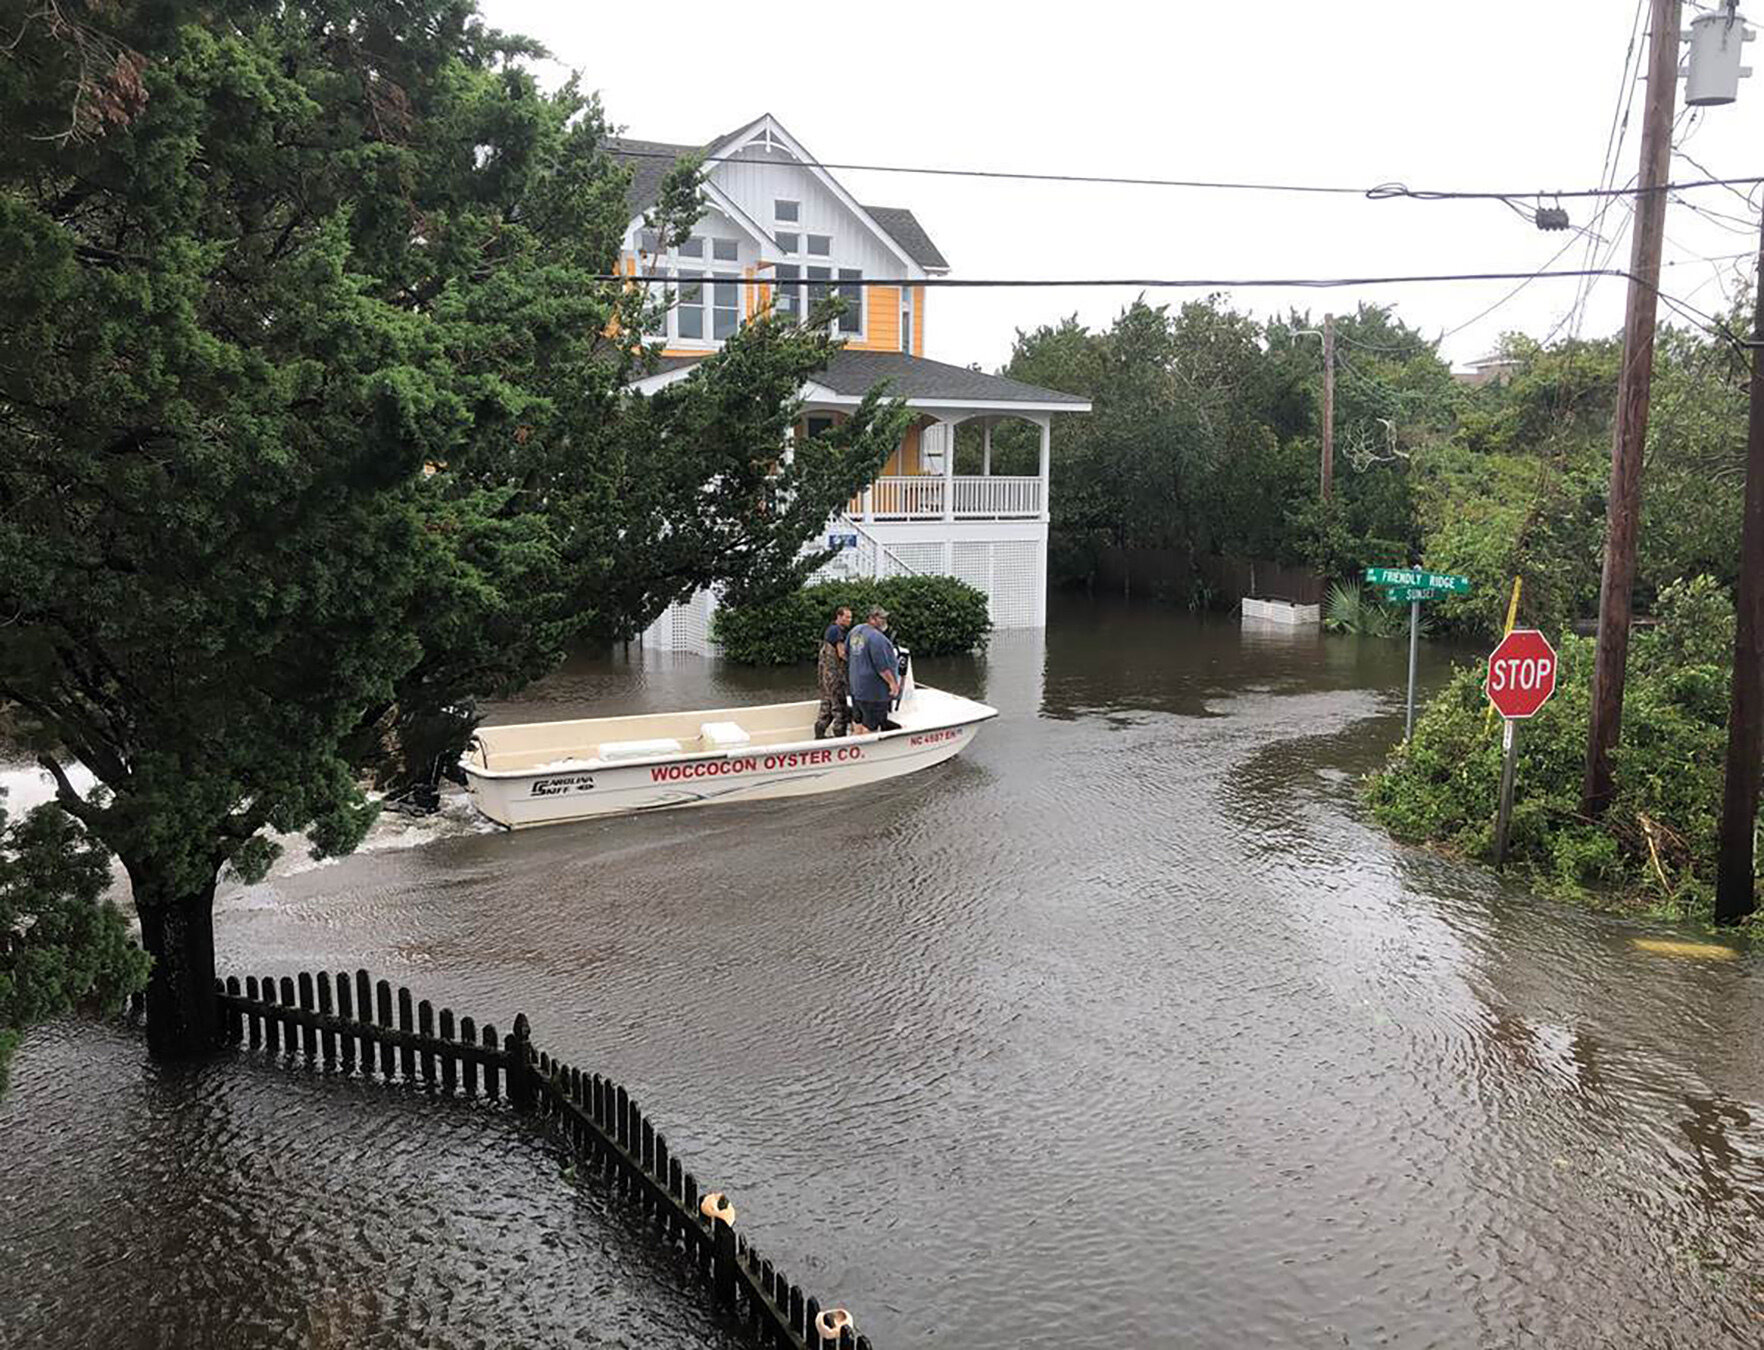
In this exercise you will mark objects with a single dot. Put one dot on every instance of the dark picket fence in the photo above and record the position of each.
(355, 1024)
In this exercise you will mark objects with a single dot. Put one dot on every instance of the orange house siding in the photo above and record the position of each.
(882, 319)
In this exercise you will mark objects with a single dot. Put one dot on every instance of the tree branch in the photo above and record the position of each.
(66, 797)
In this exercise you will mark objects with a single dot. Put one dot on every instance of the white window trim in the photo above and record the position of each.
(802, 265)
(863, 329)
(707, 272)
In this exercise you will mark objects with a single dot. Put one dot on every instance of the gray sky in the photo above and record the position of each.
(1503, 94)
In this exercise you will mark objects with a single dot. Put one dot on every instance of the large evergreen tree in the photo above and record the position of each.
(313, 420)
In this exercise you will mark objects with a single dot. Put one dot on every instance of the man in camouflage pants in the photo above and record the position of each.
(834, 716)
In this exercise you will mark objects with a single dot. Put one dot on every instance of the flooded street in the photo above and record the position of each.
(1123, 1028)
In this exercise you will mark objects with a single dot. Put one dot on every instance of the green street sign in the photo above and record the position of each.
(1403, 595)
(1415, 577)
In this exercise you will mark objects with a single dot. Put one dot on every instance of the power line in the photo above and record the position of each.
(1685, 154)
(1483, 314)
(1377, 192)
(1707, 321)
(1627, 85)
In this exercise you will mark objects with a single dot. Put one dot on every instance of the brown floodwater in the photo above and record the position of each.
(1124, 1028)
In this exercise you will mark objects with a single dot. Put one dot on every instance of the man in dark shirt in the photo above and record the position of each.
(833, 716)
(874, 669)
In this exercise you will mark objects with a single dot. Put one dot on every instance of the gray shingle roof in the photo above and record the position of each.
(647, 167)
(914, 377)
(651, 160)
(910, 235)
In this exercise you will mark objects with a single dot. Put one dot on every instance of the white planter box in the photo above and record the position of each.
(1279, 611)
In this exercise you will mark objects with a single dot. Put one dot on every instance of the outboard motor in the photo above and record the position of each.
(906, 677)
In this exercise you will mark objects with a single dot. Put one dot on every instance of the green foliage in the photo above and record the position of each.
(932, 615)
(314, 424)
(1204, 436)
(1656, 845)
(62, 943)
(1352, 610)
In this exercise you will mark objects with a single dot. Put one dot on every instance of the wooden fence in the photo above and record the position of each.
(1170, 574)
(359, 1025)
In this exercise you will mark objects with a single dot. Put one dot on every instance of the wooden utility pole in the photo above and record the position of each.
(1328, 474)
(1734, 897)
(1623, 513)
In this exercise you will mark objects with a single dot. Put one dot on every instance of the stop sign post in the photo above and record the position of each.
(1521, 678)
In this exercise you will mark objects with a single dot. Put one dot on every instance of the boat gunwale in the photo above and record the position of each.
(598, 765)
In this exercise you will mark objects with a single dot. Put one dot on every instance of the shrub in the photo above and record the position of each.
(933, 615)
(1656, 842)
(1352, 610)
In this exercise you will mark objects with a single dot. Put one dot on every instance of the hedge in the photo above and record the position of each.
(933, 615)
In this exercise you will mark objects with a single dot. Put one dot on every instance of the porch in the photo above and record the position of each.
(919, 482)
(961, 497)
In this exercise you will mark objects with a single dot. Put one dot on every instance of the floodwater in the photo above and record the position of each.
(1124, 1028)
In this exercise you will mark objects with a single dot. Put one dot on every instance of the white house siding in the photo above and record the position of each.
(756, 179)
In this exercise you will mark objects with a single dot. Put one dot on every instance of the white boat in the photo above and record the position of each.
(543, 773)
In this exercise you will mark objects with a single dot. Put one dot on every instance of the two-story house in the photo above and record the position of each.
(781, 231)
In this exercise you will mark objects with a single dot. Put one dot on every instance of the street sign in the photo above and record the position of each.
(1404, 595)
(1521, 673)
(1448, 582)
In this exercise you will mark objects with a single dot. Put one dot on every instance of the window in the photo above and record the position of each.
(648, 241)
(692, 248)
(789, 241)
(657, 296)
(818, 424)
(818, 289)
(821, 245)
(689, 313)
(852, 319)
(725, 306)
(906, 320)
(785, 209)
(725, 250)
(787, 292)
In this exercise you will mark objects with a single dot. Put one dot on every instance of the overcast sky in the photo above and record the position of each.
(1503, 94)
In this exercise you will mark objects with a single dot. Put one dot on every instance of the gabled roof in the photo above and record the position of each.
(648, 167)
(852, 374)
(910, 235)
(650, 162)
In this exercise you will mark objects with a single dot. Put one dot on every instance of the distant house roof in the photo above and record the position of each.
(650, 162)
(852, 374)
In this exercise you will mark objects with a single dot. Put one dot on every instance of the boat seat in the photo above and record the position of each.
(661, 745)
(723, 735)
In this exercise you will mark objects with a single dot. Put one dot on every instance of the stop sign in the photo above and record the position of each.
(1521, 673)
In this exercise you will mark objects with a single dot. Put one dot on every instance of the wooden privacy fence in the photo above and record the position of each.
(360, 1025)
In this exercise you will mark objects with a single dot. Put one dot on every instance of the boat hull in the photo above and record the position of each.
(526, 799)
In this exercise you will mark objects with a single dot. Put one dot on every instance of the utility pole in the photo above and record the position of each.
(1623, 514)
(1734, 898)
(1328, 479)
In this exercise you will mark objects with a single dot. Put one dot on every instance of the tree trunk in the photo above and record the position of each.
(178, 932)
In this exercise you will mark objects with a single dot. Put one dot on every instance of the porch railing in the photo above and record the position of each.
(998, 496)
(907, 498)
(921, 497)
